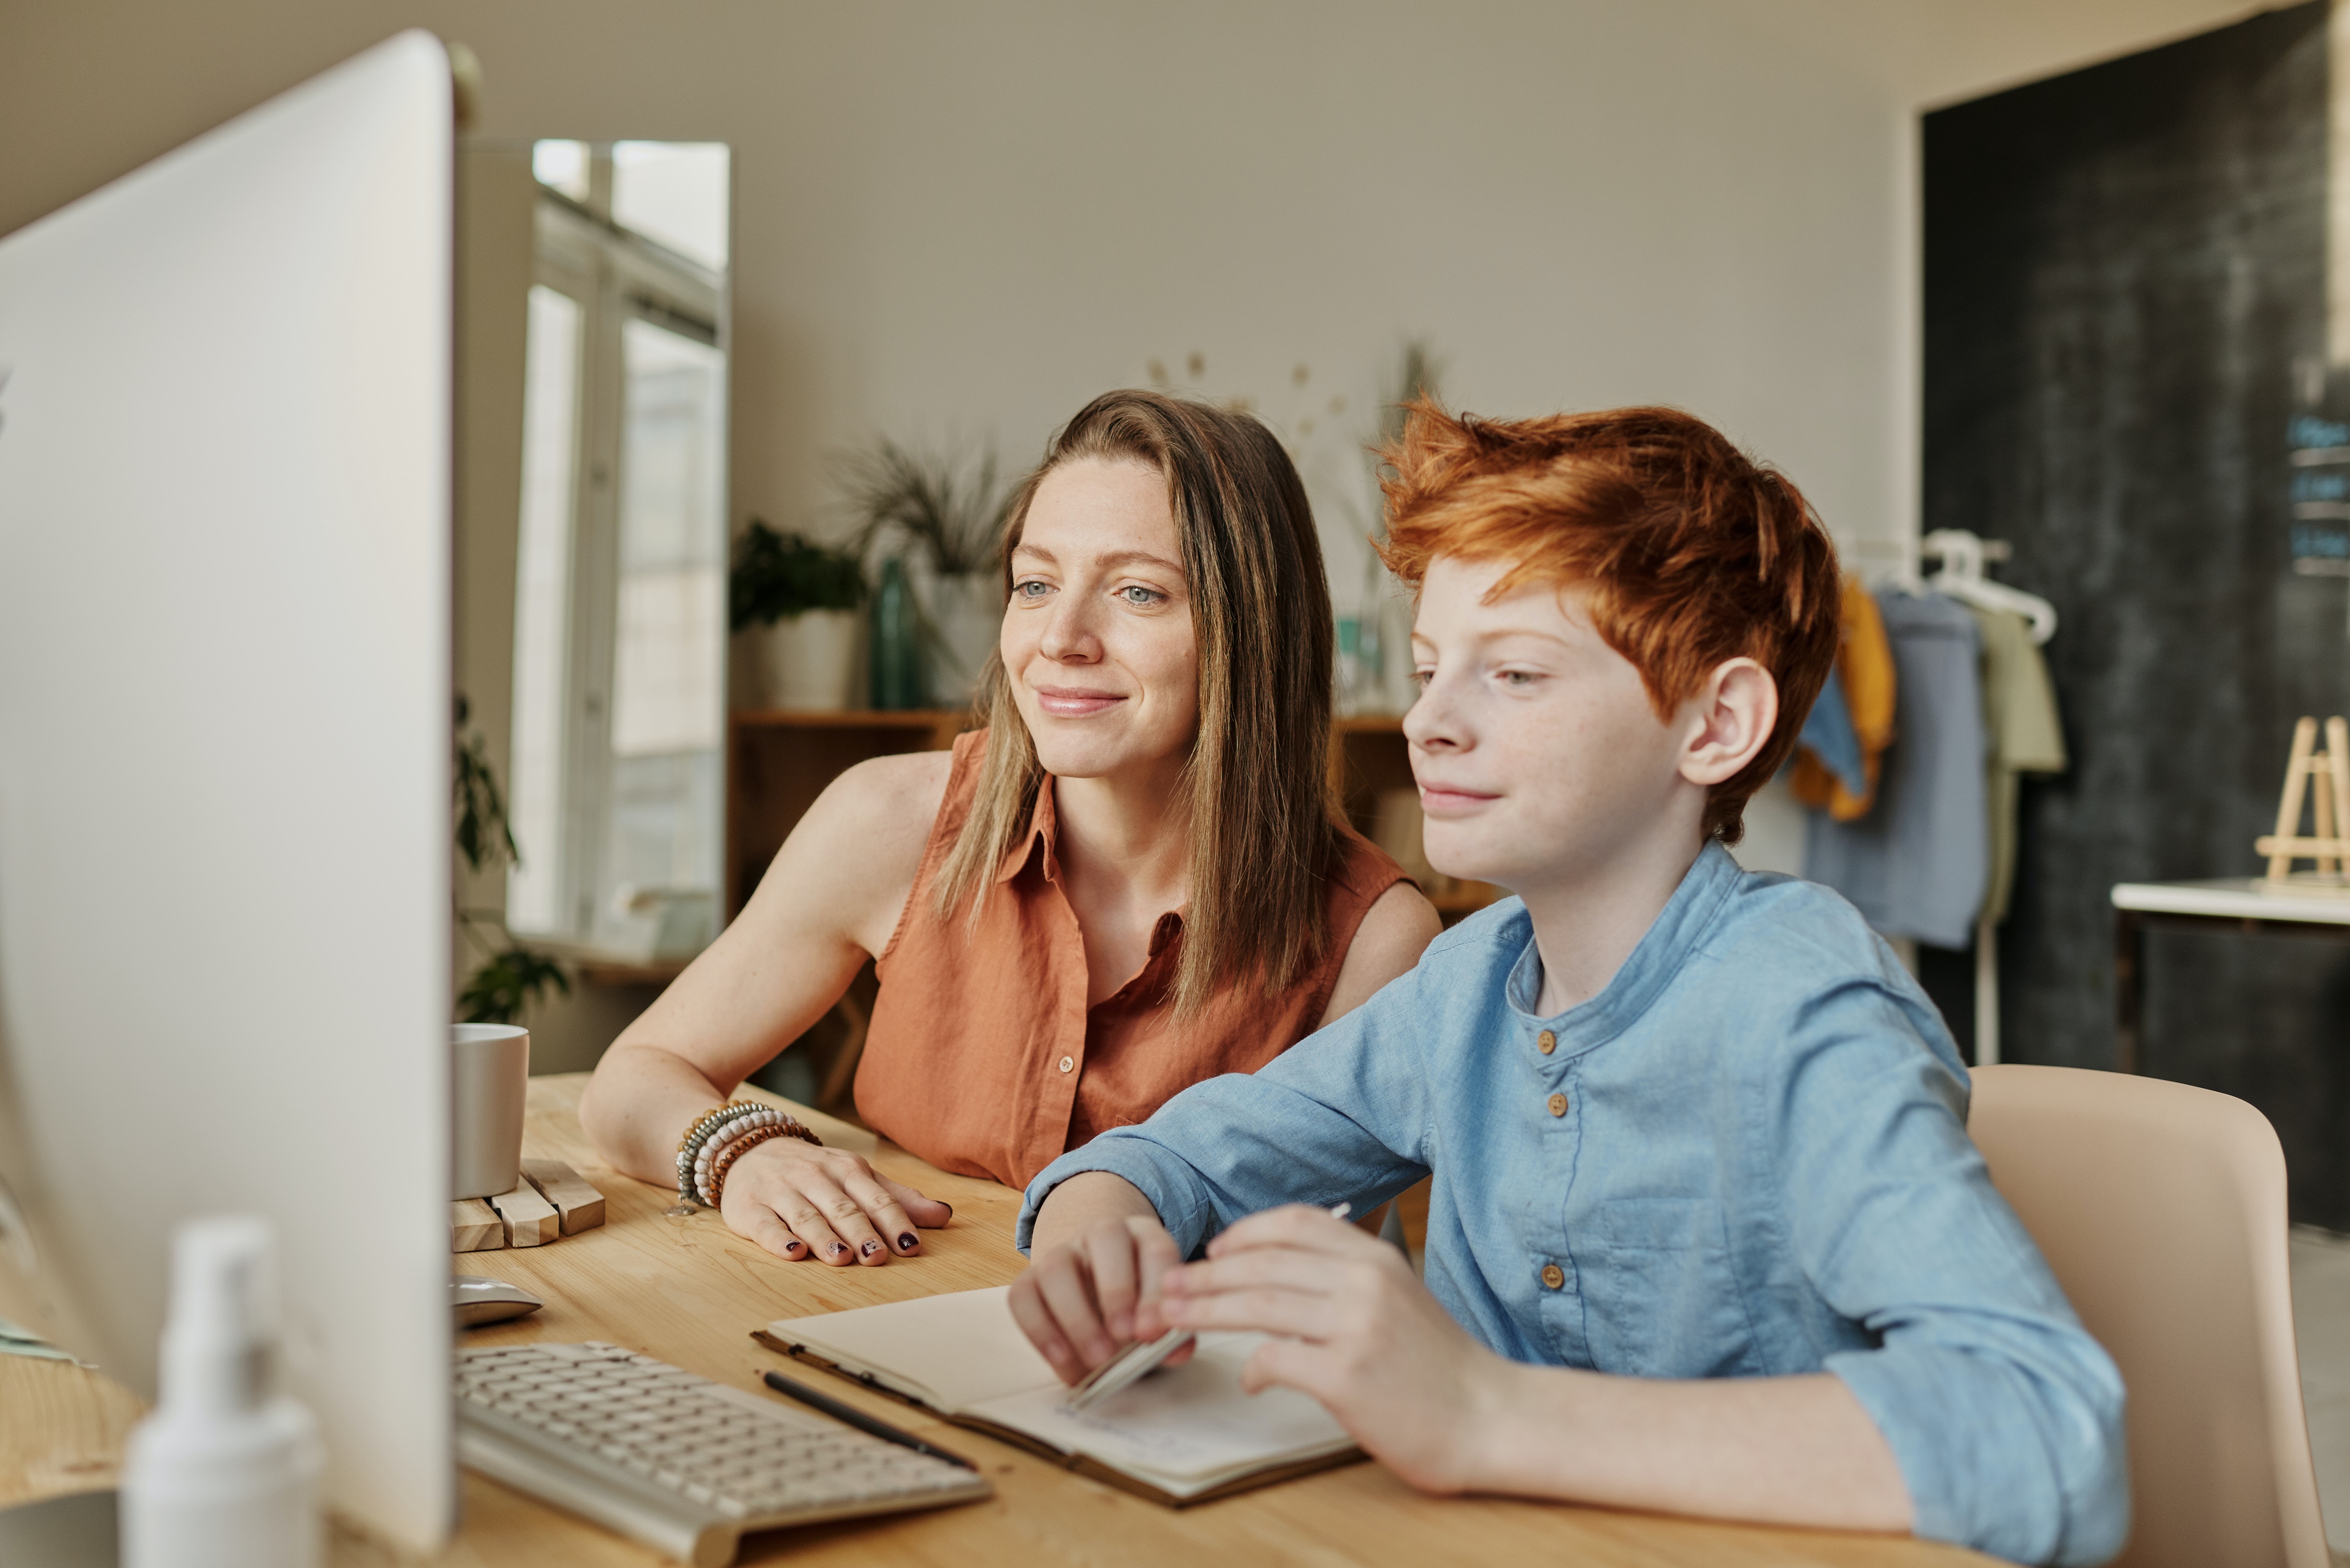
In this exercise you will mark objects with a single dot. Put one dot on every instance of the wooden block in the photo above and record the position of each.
(475, 1227)
(529, 1218)
(580, 1205)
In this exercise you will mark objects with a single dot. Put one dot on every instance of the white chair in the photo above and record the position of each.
(2162, 1209)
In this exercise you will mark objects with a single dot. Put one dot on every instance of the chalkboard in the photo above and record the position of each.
(2125, 377)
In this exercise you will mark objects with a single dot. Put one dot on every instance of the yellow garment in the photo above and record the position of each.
(1865, 667)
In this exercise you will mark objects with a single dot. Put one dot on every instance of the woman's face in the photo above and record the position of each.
(1098, 637)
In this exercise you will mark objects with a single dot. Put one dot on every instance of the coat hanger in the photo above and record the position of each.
(1962, 555)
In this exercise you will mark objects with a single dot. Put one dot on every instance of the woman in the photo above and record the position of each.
(1132, 880)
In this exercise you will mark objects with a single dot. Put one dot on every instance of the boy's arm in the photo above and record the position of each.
(1342, 1115)
(1353, 1328)
(2004, 1415)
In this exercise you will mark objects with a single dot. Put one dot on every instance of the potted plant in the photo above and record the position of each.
(802, 598)
(511, 975)
(957, 522)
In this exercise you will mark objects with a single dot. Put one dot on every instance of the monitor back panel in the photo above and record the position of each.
(224, 743)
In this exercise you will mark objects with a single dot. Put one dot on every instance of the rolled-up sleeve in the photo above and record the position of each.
(1341, 1116)
(2005, 1416)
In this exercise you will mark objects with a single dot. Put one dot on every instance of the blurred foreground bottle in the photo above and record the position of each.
(225, 1474)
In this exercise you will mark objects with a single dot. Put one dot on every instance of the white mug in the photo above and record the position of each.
(489, 1079)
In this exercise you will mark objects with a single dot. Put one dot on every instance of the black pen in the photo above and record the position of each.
(860, 1419)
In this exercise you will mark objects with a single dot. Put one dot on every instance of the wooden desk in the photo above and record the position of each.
(690, 1292)
(2247, 904)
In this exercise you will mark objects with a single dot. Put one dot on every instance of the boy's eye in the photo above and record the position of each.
(1520, 678)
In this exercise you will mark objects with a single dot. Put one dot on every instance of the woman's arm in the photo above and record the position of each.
(831, 896)
(1394, 930)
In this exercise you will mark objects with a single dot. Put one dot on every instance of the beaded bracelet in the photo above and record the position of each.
(726, 1137)
(737, 1150)
(690, 1146)
(713, 1131)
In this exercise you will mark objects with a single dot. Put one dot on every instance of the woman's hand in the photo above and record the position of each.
(1082, 1302)
(1354, 1329)
(799, 1201)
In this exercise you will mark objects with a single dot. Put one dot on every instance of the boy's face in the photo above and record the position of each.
(1538, 755)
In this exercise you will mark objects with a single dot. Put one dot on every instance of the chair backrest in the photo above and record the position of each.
(2161, 1207)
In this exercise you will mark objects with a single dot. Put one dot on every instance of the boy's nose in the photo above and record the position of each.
(1433, 722)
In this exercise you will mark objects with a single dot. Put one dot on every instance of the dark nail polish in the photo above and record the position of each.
(836, 1249)
(950, 1209)
(791, 1246)
(905, 1242)
(869, 1248)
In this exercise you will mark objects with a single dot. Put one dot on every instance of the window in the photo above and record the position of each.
(620, 592)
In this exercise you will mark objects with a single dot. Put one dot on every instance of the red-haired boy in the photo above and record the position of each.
(1708, 1235)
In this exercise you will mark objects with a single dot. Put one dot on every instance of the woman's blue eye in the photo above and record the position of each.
(1140, 596)
(1021, 589)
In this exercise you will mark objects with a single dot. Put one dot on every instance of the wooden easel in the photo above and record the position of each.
(2328, 845)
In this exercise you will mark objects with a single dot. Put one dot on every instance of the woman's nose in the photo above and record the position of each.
(1069, 636)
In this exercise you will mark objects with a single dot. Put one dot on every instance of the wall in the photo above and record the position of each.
(2126, 291)
(960, 221)
(956, 222)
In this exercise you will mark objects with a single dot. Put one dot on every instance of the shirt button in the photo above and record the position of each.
(1068, 1064)
(1558, 1104)
(1545, 1043)
(1552, 1276)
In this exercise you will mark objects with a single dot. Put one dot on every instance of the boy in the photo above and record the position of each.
(1706, 1235)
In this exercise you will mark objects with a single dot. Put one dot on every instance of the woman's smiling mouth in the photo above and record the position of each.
(1075, 701)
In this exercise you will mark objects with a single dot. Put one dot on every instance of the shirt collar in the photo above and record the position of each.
(1043, 827)
(1659, 959)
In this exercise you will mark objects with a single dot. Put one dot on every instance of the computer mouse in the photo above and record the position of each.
(479, 1301)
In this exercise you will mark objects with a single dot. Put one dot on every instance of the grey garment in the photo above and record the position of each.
(1917, 864)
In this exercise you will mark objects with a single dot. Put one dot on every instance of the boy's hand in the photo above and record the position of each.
(1085, 1301)
(1354, 1329)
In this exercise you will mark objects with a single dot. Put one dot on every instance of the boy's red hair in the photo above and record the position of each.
(1693, 554)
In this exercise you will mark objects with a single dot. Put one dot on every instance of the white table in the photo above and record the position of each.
(2248, 903)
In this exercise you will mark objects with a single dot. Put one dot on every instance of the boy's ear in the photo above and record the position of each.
(1729, 722)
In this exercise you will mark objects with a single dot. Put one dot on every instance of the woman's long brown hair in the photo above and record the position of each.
(1264, 836)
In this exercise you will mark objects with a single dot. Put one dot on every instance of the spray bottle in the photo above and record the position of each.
(225, 1474)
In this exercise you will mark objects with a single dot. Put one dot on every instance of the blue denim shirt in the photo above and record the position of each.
(1747, 1157)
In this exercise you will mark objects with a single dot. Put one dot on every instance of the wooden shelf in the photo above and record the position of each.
(851, 718)
(780, 760)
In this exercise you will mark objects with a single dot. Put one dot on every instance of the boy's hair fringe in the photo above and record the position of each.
(1693, 554)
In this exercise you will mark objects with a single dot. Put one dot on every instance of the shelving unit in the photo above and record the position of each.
(778, 762)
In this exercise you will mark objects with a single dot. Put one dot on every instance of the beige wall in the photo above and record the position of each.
(957, 220)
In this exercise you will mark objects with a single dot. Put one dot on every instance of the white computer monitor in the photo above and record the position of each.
(225, 751)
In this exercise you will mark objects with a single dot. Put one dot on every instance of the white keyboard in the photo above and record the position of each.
(678, 1462)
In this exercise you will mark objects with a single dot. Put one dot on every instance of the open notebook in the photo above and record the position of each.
(1182, 1435)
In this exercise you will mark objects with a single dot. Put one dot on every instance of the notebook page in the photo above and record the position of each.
(1185, 1428)
(949, 1351)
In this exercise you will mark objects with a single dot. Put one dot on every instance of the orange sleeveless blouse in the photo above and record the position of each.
(982, 1056)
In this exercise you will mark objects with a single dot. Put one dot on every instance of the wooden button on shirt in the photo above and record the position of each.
(1552, 1276)
(1558, 1104)
(1546, 1042)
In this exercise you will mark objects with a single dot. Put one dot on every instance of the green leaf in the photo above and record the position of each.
(778, 575)
(500, 991)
